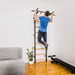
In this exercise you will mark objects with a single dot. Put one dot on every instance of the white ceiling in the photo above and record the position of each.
(54, 2)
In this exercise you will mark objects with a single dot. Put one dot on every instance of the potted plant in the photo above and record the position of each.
(30, 56)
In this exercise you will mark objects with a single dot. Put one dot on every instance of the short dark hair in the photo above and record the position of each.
(47, 13)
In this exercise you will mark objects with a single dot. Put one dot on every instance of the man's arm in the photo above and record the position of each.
(51, 18)
(35, 16)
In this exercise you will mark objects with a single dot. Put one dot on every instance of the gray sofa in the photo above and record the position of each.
(11, 62)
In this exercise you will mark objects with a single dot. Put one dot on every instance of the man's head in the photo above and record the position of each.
(47, 13)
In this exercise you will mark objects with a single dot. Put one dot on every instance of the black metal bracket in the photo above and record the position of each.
(34, 56)
(33, 34)
(52, 56)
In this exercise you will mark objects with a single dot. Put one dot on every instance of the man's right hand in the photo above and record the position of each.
(51, 17)
(51, 14)
(35, 11)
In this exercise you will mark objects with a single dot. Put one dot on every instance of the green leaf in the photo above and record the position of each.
(33, 48)
(28, 50)
(31, 51)
(27, 53)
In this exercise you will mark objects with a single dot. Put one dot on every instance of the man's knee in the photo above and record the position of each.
(39, 40)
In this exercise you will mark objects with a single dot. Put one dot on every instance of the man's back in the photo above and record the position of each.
(43, 23)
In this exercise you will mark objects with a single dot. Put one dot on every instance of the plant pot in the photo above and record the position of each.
(30, 62)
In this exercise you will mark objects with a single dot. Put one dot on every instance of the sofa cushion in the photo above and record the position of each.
(12, 67)
(10, 53)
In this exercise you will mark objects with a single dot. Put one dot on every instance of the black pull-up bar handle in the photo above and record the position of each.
(38, 11)
(42, 12)
(33, 10)
(52, 13)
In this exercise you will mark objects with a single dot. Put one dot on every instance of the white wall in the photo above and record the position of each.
(17, 26)
(65, 31)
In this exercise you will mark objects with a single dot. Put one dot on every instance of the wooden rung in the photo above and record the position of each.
(37, 26)
(37, 21)
(40, 48)
(40, 59)
(38, 43)
(37, 37)
(38, 15)
(41, 54)
(36, 32)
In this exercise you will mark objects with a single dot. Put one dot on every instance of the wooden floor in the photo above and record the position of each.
(46, 68)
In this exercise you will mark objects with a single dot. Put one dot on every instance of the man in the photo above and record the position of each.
(44, 20)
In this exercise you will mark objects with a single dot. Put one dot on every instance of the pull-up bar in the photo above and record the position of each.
(42, 12)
